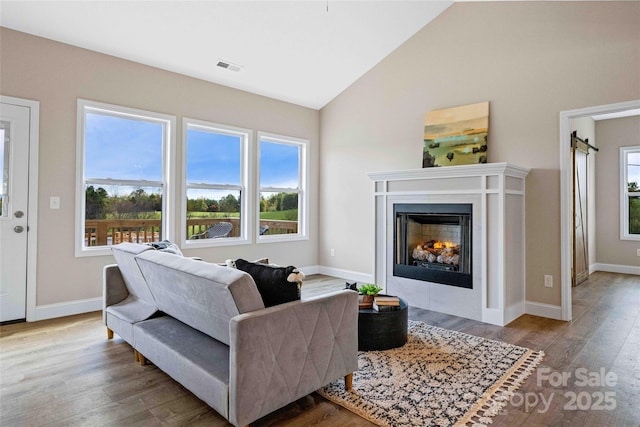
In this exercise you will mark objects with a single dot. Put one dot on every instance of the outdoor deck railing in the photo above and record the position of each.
(100, 232)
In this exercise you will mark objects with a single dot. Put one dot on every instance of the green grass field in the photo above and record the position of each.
(290, 215)
(634, 216)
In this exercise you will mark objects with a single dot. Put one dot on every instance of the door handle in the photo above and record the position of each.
(18, 229)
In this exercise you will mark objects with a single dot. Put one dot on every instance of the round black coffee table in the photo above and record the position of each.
(382, 330)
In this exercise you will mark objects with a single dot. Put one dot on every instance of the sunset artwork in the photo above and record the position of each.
(456, 136)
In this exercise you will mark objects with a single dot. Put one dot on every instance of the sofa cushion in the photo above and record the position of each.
(121, 317)
(205, 296)
(276, 285)
(124, 253)
(195, 360)
(132, 309)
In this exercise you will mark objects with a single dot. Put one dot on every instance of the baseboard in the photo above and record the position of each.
(543, 310)
(337, 272)
(614, 268)
(514, 311)
(70, 308)
(311, 269)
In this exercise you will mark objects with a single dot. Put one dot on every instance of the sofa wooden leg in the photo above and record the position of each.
(348, 382)
(136, 355)
(109, 334)
(141, 359)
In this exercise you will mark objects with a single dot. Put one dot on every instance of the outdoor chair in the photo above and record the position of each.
(219, 229)
(264, 229)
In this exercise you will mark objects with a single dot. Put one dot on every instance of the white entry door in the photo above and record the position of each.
(14, 164)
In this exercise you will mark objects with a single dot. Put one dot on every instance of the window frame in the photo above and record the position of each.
(302, 190)
(246, 136)
(168, 166)
(624, 193)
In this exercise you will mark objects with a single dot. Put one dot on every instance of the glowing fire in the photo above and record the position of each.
(443, 245)
(436, 251)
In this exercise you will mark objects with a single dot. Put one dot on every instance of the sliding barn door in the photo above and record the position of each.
(580, 269)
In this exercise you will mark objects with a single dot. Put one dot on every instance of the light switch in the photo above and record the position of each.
(54, 202)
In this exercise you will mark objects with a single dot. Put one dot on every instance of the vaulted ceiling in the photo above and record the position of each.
(303, 52)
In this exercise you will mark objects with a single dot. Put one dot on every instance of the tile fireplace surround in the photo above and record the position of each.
(496, 192)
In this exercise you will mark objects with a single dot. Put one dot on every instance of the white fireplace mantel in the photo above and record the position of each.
(496, 192)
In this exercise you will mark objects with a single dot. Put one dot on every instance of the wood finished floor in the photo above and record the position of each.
(64, 372)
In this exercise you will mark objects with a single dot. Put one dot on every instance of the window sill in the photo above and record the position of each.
(213, 243)
(281, 238)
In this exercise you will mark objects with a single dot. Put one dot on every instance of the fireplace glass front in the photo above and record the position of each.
(432, 242)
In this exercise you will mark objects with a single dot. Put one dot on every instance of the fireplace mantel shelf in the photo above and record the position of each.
(496, 192)
(452, 172)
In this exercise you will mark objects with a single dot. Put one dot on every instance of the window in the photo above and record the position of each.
(122, 167)
(215, 181)
(282, 181)
(630, 193)
(4, 166)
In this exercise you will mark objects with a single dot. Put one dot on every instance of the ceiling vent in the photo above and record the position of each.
(228, 65)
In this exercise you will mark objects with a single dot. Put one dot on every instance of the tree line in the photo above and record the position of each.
(229, 203)
(139, 204)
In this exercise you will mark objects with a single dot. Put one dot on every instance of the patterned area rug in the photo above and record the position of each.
(440, 377)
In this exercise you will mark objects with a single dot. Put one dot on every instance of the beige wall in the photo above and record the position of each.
(57, 75)
(530, 60)
(611, 135)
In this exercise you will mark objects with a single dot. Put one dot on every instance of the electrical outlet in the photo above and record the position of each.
(333, 252)
(638, 251)
(548, 281)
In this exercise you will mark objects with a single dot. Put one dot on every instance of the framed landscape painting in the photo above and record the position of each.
(456, 136)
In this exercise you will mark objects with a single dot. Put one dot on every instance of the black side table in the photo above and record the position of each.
(382, 330)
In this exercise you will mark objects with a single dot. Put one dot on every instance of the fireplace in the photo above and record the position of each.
(482, 204)
(432, 243)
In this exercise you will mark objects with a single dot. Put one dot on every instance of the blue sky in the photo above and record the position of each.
(121, 148)
(213, 158)
(634, 168)
(278, 165)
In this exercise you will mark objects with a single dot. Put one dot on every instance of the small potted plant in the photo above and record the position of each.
(369, 291)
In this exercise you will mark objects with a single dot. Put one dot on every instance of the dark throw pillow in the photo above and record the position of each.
(276, 285)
